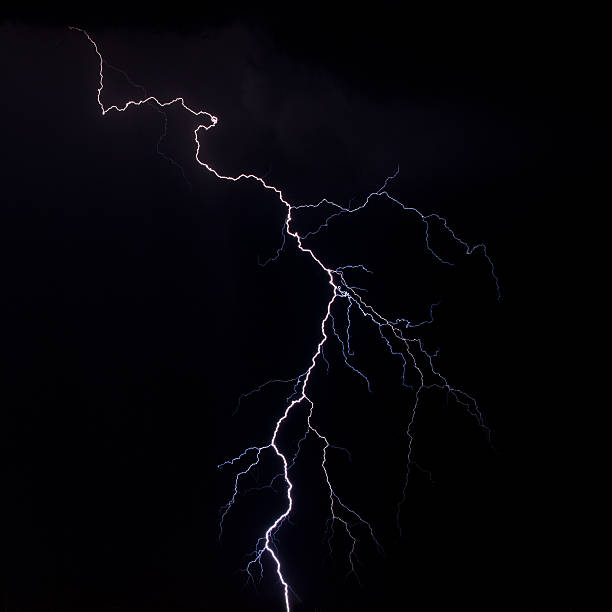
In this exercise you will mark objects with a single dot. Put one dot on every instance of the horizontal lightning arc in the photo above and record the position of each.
(394, 333)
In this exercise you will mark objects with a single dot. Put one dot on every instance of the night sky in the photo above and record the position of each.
(134, 311)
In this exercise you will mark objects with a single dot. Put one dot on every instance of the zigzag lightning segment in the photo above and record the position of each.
(396, 334)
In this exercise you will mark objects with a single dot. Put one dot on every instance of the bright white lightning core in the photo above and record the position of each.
(397, 334)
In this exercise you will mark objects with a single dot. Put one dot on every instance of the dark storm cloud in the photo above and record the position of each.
(449, 107)
(322, 132)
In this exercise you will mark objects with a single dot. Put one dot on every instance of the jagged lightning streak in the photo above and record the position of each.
(397, 335)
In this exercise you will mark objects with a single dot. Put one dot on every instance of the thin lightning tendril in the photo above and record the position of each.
(396, 334)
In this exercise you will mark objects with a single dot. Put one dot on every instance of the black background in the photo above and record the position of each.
(135, 312)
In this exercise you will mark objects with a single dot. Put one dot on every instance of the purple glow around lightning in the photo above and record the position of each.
(396, 334)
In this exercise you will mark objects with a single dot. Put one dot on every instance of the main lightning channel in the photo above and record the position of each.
(394, 333)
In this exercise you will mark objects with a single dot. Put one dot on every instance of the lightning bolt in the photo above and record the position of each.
(398, 335)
